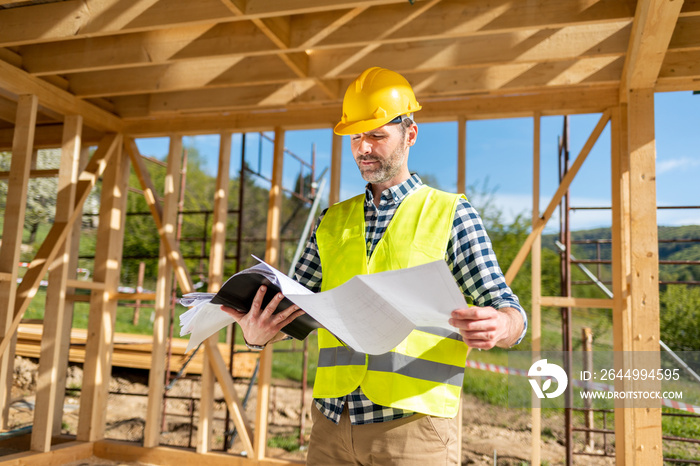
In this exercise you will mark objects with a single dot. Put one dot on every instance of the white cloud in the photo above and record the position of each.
(664, 166)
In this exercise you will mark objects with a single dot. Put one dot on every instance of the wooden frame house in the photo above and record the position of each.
(75, 73)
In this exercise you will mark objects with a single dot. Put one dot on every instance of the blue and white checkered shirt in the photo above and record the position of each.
(469, 255)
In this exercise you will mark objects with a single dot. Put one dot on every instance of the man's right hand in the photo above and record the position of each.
(261, 325)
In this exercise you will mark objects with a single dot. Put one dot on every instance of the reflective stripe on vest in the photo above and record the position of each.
(424, 372)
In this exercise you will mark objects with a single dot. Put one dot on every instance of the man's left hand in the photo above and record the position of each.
(486, 327)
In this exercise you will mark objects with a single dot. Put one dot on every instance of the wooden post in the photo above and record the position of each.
(461, 155)
(536, 278)
(272, 254)
(336, 163)
(216, 268)
(69, 306)
(103, 305)
(13, 227)
(156, 376)
(644, 255)
(139, 289)
(587, 345)
(621, 270)
(53, 332)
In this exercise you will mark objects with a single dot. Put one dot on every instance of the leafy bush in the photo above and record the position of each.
(680, 317)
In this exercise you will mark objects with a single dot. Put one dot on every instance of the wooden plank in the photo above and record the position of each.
(622, 317)
(272, 255)
(234, 405)
(461, 154)
(564, 301)
(63, 453)
(70, 306)
(50, 173)
(336, 166)
(164, 289)
(447, 19)
(49, 137)
(85, 285)
(133, 351)
(184, 75)
(216, 268)
(18, 81)
(174, 254)
(526, 46)
(128, 452)
(553, 204)
(47, 251)
(12, 230)
(507, 105)
(366, 31)
(102, 315)
(654, 21)
(536, 289)
(644, 263)
(52, 341)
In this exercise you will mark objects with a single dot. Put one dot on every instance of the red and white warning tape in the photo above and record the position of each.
(579, 383)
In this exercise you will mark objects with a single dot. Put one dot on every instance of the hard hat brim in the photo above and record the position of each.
(357, 127)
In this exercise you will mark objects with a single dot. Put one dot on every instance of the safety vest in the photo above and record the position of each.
(424, 373)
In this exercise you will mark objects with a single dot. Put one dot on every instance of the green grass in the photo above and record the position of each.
(288, 442)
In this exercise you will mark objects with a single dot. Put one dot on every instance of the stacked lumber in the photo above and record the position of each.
(132, 351)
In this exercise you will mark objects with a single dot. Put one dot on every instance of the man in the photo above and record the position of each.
(397, 408)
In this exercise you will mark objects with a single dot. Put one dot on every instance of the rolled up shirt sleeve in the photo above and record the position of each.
(474, 265)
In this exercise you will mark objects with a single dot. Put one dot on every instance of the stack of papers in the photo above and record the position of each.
(370, 313)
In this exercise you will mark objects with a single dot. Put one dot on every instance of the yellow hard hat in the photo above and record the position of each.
(376, 97)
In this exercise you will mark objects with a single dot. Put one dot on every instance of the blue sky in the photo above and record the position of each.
(499, 159)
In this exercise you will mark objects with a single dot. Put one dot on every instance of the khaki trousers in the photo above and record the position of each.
(418, 440)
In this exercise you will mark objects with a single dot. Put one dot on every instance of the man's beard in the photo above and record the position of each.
(386, 169)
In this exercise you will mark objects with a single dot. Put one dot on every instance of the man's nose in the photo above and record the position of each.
(364, 147)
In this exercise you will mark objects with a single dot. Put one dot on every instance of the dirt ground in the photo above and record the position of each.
(487, 431)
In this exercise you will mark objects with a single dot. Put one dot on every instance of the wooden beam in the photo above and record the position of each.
(63, 20)
(164, 289)
(444, 20)
(149, 192)
(49, 137)
(62, 453)
(555, 102)
(52, 339)
(527, 46)
(654, 22)
(64, 356)
(336, 167)
(272, 257)
(128, 452)
(12, 230)
(216, 268)
(178, 76)
(621, 272)
(461, 154)
(563, 187)
(103, 307)
(568, 301)
(536, 288)
(644, 276)
(18, 81)
(232, 401)
(75, 19)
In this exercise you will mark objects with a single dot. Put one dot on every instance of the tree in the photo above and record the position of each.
(680, 317)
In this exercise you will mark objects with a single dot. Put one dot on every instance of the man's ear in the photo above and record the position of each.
(411, 134)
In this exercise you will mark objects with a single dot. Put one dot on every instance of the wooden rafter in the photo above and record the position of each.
(654, 22)
(20, 82)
